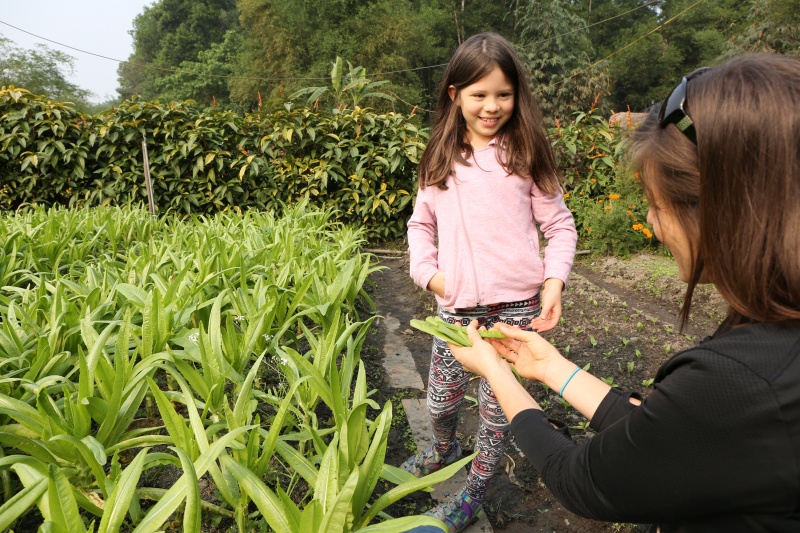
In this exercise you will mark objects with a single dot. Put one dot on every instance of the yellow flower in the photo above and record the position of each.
(647, 233)
(613, 196)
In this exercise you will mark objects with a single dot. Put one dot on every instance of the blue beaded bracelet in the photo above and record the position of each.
(561, 393)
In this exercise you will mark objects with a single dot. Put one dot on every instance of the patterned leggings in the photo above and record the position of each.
(447, 384)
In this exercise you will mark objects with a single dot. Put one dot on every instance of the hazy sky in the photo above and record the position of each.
(97, 26)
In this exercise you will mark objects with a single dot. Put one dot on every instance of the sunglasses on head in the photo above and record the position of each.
(673, 112)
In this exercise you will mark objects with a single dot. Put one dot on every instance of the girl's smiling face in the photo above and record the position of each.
(486, 106)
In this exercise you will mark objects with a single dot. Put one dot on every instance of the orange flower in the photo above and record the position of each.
(613, 196)
(647, 233)
(607, 207)
(566, 195)
(637, 227)
(636, 175)
(588, 230)
(593, 180)
(600, 201)
(629, 213)
(633, 206)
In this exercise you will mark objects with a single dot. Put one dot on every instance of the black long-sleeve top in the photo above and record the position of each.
(714, 447)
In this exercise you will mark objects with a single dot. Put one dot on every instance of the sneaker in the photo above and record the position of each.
(457, 513)
(430, 460)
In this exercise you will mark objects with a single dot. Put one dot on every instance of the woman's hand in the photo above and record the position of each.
(551, 305)
(531, 355)
(481, 358)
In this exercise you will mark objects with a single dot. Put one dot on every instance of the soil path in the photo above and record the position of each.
(611, 321)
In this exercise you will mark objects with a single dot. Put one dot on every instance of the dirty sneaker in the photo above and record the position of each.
(457, 513)
(429, 461)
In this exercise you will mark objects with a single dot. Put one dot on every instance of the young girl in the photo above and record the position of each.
(486, 178)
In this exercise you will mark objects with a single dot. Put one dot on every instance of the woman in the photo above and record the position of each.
(716, 445)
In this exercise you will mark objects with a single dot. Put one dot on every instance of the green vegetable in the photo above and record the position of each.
(433, 325)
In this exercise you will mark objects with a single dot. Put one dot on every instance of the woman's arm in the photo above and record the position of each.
(533, 358)
(708, 441)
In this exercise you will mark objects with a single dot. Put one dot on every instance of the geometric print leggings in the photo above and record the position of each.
(447, 384)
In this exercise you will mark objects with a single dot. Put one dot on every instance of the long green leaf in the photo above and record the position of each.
(120, 499)
(265, 499)
(21, 502)
(63, 508)
(191, 514)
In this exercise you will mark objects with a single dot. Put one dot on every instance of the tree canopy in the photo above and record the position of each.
(232, 54)
(41, 70)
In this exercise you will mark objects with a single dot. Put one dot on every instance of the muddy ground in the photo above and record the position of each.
(620, 318)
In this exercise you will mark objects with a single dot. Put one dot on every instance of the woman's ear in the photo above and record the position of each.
(453, 93)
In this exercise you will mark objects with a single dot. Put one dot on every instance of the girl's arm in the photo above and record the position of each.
(551, 305)
(558, 227)
(422, 230)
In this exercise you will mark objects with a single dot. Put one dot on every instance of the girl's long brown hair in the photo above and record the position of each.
(527, 150)
(737, 193)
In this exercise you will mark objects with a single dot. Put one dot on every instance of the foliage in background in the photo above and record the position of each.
(360, 163)
(41, 70)
(772, 27)
(558, 59)
(167, 34)
(347, 90)
(607, 203)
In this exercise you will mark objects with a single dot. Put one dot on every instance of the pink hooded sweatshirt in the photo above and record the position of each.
(488, 244)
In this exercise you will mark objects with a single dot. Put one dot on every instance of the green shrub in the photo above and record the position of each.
(360, 163)
(608, 205)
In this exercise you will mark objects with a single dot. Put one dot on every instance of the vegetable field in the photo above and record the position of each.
(225, 348)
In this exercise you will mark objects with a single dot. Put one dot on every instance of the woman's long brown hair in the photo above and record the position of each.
(737, 193)
(527, 150)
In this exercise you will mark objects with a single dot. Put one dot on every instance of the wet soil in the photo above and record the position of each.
(620, 319)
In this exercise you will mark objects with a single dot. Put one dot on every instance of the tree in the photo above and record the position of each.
(559, 59)
(168, 33)
(771, 27)
(41, 70)
(206, 80)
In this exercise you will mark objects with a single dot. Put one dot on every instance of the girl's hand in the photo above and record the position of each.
(551, 305)
(531, 354)
(436, 284)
